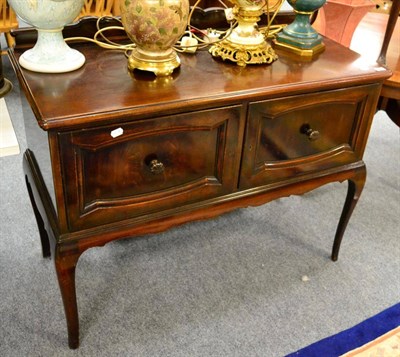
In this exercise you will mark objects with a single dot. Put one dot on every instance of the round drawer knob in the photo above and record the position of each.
(313, 134)
(156, 167)
(310, 132)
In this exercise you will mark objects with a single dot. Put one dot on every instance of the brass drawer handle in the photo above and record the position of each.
(310, 132)
(156, 167)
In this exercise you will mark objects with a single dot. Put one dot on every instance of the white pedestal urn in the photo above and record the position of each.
(50, 54)
(154, 26)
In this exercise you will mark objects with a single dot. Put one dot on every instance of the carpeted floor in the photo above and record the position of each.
(231, 286)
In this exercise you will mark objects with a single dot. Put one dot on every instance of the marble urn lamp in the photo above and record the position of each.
(50, 54)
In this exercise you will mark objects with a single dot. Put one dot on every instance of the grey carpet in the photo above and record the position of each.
(231, 286)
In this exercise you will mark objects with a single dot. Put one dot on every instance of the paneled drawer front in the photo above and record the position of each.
(297, 135)
(148, 166)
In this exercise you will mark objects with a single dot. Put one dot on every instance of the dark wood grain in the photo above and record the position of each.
(390, 95)
(111, 93)
(128, 187)
(223, 137)
(378, 37)
(276, 146)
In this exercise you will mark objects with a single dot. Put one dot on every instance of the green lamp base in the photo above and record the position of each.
(300, 37)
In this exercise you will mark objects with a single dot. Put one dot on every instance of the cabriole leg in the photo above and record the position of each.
(356, 185)
(65, 263)
(44, 238)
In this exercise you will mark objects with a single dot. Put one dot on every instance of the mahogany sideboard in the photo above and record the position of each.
(115, 155)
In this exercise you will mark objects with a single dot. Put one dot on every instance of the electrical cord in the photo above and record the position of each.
(200, 42)
(270, 30)
(108, 44)
(207, 41)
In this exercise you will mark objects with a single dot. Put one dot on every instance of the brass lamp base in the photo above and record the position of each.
(160, 65)
(244, 54)
(303, 52)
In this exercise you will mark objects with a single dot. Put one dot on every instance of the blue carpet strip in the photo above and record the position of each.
(354, 337)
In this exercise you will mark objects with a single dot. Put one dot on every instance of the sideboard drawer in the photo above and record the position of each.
(297, 135)
(149, 165)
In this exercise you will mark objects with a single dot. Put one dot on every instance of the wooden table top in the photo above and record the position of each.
(367, 40)
(103, 90)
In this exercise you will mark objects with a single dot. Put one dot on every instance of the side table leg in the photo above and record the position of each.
(354, 190)
(44, 238)
(65, 263)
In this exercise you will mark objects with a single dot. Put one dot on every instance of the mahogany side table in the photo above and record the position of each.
(113, 155)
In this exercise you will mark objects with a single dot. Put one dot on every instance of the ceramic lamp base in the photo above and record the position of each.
(51, 54)
(244, 54)
(161, 64)
(299, 36)
(67, 61)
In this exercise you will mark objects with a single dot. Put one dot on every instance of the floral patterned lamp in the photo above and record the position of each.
(50, 54)
(154, 26)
